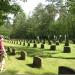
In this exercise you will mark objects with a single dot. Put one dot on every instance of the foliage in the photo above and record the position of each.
(42, 22)
(5, 30)
(5, 8)
(41, 19)
(19, 25)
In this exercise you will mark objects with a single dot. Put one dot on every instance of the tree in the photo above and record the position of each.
(37, 25)
(5, 8)
(19, 25)
(71, 10)
(44, 17)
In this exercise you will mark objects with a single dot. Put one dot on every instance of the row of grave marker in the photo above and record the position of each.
(33, 41)
(37, 62)
(66, 49)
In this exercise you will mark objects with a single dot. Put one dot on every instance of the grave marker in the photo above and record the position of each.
(67, 49)
(28, 44)
(57, 42)
(23, 43)
(66, 43)
(42, 45)
(53, 47)
(37, 62)
(13, 52)
(62, 70)
(8, 50)
(23, 55)
(35, 45)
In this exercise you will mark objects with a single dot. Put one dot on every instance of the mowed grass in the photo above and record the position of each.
(50, 60)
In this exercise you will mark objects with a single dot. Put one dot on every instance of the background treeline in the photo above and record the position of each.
(42, 22)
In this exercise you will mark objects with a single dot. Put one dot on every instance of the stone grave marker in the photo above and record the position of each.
(20, 43)
(13, 51)
(8, 50)
(53, 47)
(37, 62)
(23, 43)
(30, 41)
(34, 45)
(14, 42)
(28, 44)
(23, 55)
(66, 43)
(42, 45)
(17, 42)
(67, 49)
(62, 70)
(34, 41)
(57, 42)
(43, 41)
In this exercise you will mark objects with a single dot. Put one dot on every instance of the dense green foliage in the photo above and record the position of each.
(42, 21)
(39, 24)
(7, 7)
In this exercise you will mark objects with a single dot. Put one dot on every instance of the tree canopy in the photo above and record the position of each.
(42, 23)
(7, 7)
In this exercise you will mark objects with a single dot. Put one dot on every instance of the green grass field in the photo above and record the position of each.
(50, 60)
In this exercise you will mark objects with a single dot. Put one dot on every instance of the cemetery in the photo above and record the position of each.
(37, 37)
(37, 60)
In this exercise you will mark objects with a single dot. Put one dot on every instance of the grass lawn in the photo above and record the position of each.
(50, 60)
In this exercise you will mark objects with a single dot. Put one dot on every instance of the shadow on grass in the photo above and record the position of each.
(32, 66)
(12, 72)
(64, 57)
(8, 72)
(29, 73)
(34, 51)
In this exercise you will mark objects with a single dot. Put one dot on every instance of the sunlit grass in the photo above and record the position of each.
(50, 60)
